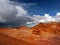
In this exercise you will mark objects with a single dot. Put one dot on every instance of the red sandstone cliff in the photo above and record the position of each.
(41, 34)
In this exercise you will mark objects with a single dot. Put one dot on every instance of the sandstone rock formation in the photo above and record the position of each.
(41, 34)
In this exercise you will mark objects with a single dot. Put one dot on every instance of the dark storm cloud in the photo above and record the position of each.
(12, 14)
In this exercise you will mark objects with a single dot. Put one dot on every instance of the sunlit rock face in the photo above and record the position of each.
(41, 34)
(51, 29)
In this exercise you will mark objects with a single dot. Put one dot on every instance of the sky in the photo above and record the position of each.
(43, 6)
(15, 13)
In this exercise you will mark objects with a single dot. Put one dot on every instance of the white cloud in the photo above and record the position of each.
(29, 22)
(10, 12)
(37, 17)
(49, 18)
(42, 20)
(13, 13)
(17, 14)
(57, 17)
(21, 11)
(7, 11)
(46, 18)
(58, 14)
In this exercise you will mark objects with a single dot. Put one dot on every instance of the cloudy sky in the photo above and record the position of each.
(28, 12)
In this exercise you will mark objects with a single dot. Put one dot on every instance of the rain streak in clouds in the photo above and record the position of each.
(11, 13)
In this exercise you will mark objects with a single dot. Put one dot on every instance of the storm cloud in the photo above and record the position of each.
(11, 13)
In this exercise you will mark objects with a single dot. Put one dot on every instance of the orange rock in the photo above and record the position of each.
(41, 34)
